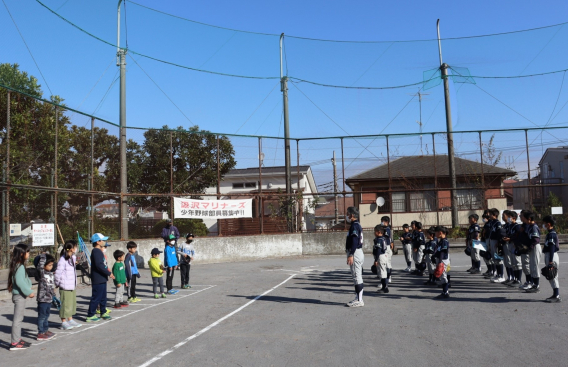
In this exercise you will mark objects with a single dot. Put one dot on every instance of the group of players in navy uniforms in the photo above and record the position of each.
(508, 250)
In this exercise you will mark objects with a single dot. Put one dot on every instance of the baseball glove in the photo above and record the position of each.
(439, 270)
(550, 271)
(467, 251)
(374, 269)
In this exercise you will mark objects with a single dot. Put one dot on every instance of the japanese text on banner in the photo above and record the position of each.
(212, 209)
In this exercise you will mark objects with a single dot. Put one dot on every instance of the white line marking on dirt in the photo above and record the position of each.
(102, 322)
(166, 352)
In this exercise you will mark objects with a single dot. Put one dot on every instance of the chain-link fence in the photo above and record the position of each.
(63, 166)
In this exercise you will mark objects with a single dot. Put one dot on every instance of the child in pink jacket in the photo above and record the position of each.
(66, 280)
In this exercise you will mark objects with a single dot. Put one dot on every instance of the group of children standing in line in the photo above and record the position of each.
(514, 248)
(63, 275)
(429, 250)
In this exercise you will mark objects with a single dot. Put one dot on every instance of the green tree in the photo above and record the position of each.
(194, 163)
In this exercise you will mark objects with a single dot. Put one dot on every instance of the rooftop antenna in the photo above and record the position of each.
(420, 95)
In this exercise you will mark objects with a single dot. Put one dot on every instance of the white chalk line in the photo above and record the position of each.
(204, 330)
(103, 322)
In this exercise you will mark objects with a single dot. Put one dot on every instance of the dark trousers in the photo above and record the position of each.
(184, 271)
(169, 278)
(99, 297)
(132, 286)
(43, 311)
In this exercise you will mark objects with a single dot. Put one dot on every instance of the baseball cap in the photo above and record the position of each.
(189, 235)
(98, 237)
(168, 220)
(172, 237)
(155, 251)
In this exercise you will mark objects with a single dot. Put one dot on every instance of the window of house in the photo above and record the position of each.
(238, 185)
(468, 198)
(250, 185)
(398, 202)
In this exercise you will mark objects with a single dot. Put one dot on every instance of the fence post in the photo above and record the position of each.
(171, 176)
(343, 175)
(92, 216)
(436, 181)
(300, 204)
(529, 170)
(260, 203)
(56, 195)
(6, 192)
(390, 185)
(482, 172)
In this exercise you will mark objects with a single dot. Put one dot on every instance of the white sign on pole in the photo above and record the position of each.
(43, 234)
(556, 210)
(212, 209)
(15, 229)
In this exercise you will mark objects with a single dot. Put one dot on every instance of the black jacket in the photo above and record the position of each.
(99, 267)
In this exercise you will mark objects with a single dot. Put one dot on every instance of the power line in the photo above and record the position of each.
(25, 43)
(341, 41)
(297, 80)
(161, 90)
(256, 109)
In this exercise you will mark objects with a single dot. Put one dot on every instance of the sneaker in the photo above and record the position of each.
(65, 325)
(74, 323)
(469, 270)
(407, 269)
(93, 319)
(106, 316)
(163, 295)
(188, 286)
(356, 304)
(136, 299)
(475, 271)
(42, 337)
(117, 305)
(156, 296)
(124, 304)
(348, 304)
(131, 300)
(497, 280)
(49, 334)
(514, 283)
(554, 299)
(21, 345)
(386, 290)
(507, 281)
(533, 289)
(442, 295)
(526, 286)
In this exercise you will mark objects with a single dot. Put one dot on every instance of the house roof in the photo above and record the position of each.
(423, 166)
(266, 170)
(328, 210)
(550, 150)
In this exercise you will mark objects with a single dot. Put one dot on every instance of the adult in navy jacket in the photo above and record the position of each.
(99, 278)
(168, 230)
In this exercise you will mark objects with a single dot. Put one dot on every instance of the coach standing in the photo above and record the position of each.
(355, 256)
(168, 230)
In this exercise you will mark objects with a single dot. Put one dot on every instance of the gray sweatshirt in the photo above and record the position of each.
(185, 249)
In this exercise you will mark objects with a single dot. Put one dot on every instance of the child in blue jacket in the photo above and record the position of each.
(170, 263)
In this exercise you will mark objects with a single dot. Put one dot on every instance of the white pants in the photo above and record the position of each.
(428, 260)
(389, 258)
(475, 254)
(556, 259)
(525, 264)
(382, 268)
(507, 256)
(515, 259)
(534, 259)
(357, 267)
(407, 248)
(417, 256)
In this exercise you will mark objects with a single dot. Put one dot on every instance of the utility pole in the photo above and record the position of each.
(121, 62)
(335, 186)
(284, 89)
(450, 135)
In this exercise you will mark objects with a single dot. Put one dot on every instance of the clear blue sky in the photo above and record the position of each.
(81, 69)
